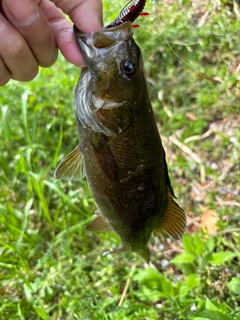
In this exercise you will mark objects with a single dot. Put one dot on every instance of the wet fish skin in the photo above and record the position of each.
(119, 143)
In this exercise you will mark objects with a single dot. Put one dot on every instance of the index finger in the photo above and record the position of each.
(85, 14)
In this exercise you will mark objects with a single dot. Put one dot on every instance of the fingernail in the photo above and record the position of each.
(23, 11)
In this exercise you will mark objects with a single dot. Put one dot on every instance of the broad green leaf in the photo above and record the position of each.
(200, 246)
(183, 258)
(219, 258)
(210, 245)
(234, 285)
(167, 287)
(214, 315)
(151, 294)
(188, 245)
(149, 277)
(187, 268)
(192, 281)
(209, 305)
(224, 307)
(183, 292)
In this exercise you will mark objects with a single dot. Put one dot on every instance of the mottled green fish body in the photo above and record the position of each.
(120, 150)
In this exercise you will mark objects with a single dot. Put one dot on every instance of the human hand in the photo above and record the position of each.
(31, 31)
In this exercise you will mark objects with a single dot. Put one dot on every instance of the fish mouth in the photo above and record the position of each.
(123, 26)
(102, 39)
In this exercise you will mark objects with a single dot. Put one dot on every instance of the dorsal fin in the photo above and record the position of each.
(174, 219)
(71, 167)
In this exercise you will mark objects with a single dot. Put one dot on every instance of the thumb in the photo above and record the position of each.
(85, 14)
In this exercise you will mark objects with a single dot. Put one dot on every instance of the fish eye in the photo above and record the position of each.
(129, 67)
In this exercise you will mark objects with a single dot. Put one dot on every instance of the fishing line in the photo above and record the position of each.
(154, 2)
(192, 68)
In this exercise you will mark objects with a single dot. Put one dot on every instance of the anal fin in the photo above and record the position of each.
(99, 224)
(174, 219)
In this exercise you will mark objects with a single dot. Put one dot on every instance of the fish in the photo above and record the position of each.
(120, 150)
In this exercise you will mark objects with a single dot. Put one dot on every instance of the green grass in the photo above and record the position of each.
(51, 267)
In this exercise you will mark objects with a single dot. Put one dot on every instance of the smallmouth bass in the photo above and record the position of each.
(120, 150)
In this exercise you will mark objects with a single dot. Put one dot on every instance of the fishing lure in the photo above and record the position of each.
(130, 12)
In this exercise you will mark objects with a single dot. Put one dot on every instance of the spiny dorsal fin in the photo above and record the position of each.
(174, 219)
(99, 224)
(71, 167)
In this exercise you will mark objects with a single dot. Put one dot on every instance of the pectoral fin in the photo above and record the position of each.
(105, 158)
(99, 224)
(71, 167)
(174, 219)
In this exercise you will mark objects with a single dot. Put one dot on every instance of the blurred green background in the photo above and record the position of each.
(51, 267)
